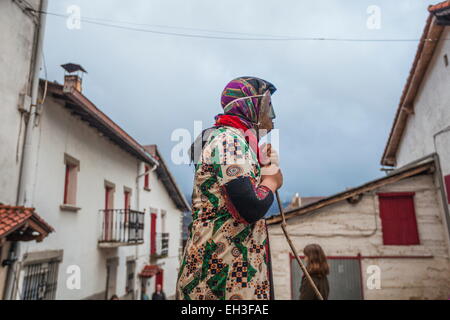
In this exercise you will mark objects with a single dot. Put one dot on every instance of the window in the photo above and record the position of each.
(40, 281)
(109, 196)
(398, 218)
(164, 238)
(147, 178)
(70, 180)
(126, 198)
(345, 278)
(447, 187)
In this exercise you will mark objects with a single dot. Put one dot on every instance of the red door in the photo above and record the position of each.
(159, 279)
(153, 233)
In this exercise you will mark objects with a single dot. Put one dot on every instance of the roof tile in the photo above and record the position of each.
(439, 6)
(13, 217)
(150, 270)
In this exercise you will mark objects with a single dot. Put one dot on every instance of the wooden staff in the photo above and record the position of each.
(294, 251)
(283, 226)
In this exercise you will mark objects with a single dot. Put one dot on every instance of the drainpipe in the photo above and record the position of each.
(138, 191)
(26, 183)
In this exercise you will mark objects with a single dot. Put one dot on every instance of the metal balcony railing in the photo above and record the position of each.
(121, 227)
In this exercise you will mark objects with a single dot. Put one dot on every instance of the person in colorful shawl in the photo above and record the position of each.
(227, 255)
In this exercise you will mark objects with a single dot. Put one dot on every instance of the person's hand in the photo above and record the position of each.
(271, 173)
(273, 182)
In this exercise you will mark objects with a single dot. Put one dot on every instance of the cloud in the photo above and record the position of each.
(335, 102)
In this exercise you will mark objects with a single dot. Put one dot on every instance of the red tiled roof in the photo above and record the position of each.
(81, 106)
(13, 218)
(150, 270)
(439, 6)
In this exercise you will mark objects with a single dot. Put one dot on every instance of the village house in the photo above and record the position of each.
(116, 208)
(388, 238)
(422, 121)
(19, 61)
(392, 228)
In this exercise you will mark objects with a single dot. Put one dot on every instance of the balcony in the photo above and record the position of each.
(121, 227)
(161, 247)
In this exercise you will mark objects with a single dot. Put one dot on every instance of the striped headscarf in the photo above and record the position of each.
(241, 114)
(248, 109)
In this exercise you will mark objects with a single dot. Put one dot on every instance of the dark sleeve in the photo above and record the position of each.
(307, 292)
(246, 200)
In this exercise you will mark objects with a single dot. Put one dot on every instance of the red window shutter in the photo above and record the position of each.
(147, 178)
(66, 183)
(398, 218)
(153, 233)
(447, 187)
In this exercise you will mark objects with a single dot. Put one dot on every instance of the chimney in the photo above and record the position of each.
(296, 202)
(73, 77)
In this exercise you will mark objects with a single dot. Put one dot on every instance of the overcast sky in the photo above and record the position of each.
(335, 101)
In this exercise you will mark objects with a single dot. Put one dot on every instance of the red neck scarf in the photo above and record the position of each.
(236, 122)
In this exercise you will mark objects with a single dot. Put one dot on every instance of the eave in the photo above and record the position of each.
(427, 45)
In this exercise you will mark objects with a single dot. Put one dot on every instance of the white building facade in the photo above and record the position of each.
(19, 29)
(422, 122)
(20, 25)
(425, 126)
(99, 189)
